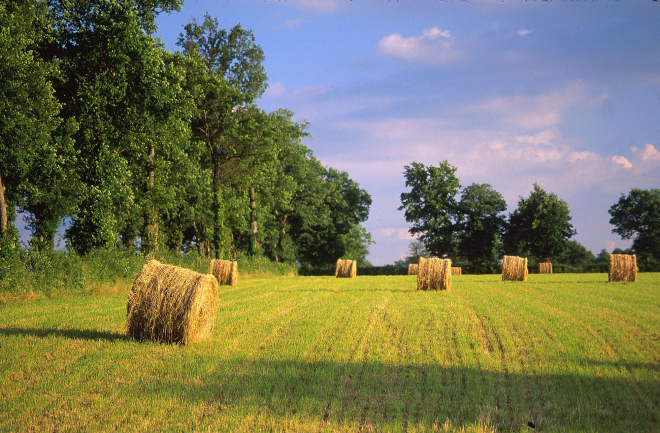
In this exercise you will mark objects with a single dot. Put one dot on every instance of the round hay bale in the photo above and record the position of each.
(622, 267)
(171, 304)
(545, 268)
(413, 269)
(456, 270)
(423, 274)
(225, 271)
(346, 269)
(514, 269)
(434, 274)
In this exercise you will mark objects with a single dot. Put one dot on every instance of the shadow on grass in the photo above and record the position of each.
(76, 334)
(380, 396)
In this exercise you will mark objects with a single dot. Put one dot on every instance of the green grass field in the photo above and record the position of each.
(570, 353)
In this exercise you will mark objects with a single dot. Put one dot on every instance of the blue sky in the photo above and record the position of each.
(566, 94)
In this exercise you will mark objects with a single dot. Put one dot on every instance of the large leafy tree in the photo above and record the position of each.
(482, 224)
(33, 139)
(637, 217)
(331, 206)
(225, 77)
(539, 226)
(116, 84)
(431, 206)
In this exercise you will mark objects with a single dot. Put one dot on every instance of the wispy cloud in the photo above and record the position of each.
(291, 24)
(524, 32)
(540, 111)
(432, 46)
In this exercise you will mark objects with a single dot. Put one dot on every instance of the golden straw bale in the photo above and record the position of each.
(423, 274)
(545, 268)
(623, 267)
(434, 274)
(412, 269)
(171, 304)
(456, 270)
(514, 269)
(346, 269)
(225, 271)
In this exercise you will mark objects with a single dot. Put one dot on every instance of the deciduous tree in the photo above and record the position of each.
(637, 217)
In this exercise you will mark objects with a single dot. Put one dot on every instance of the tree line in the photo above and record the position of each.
(143, 149)
(468, 224)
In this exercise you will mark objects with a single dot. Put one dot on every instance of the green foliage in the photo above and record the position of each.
(431, 206)
(540, 226)
(481, 226)
(34, 143)
(575, 254)
(637, 217)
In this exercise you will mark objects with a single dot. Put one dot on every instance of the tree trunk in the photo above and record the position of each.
(3, 210)
(284, 223)
(253, 219)
(151, 214)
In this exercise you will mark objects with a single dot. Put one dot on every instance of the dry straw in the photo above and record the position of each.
(514, 269)
(225, 271)
(171, 304)
(434, 274)
(455, 270)
(412, 269)
(623, 267)
(346, 269)
(545, 268)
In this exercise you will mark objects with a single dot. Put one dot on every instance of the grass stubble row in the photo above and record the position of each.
(305, 354)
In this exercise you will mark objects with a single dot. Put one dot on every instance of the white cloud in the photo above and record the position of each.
(433, 45)
(650, 152)
(524, 32)
(622, 160)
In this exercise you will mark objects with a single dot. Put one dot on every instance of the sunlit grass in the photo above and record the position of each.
(566, 352)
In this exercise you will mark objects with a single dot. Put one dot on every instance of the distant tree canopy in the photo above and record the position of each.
(540, 226)
(472, 227)
(144, 149)
(637, 217)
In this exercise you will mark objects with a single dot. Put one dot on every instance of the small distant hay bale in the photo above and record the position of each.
(514, 269)
(434, 274)
(623, 267)
(346, 269)
(225, 271)
(171, 304)
(456, 270)
(545, 268)
(412, 269)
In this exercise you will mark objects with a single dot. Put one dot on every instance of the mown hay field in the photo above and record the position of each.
(566, 352)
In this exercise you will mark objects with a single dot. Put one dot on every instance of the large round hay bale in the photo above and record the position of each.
(225, 271)
(545, 268)
(622, 267)
(346, 269)
(434, 274)
(413, 269)
(514, 269)
(171, 304)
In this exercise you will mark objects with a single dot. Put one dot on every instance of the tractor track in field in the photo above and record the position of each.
(219, 399)
(488, 324)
